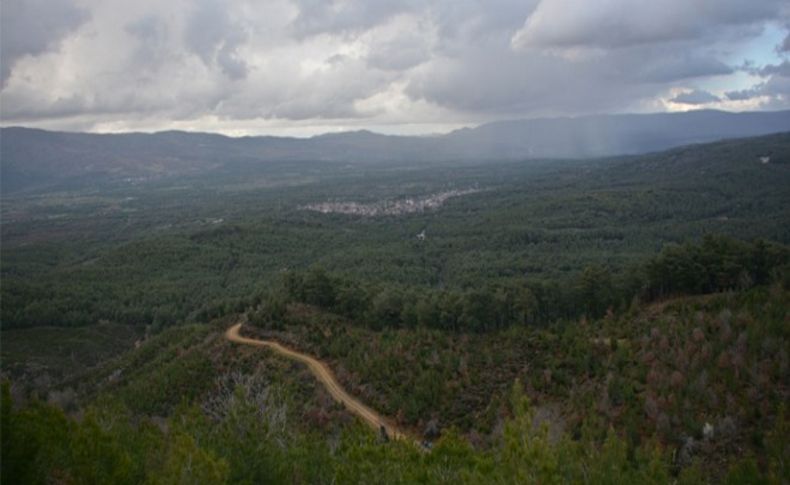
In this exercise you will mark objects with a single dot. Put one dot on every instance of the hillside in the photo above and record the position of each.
(309, 242)
(659, 393)
(40, 160)
(605, 135)
(618, 318)
(162, 254)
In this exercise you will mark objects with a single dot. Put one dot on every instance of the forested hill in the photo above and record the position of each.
(165, 253)
(691, 390)
(638, 302)
(36, 159)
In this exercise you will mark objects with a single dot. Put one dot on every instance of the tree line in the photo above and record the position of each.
(717, 263)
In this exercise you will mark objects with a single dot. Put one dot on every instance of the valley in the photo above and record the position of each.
(625, 313)
(394, 242)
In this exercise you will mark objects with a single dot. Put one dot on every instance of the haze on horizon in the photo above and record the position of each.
(302, 67)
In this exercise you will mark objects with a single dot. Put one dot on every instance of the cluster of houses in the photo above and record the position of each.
(389, 207)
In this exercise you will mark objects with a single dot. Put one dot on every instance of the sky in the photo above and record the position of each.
(303, 67)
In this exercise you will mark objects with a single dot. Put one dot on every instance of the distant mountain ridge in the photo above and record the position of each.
(34, 159)
(625, 134)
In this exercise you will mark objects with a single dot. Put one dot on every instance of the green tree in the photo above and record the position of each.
(595, 290)
(186, 463)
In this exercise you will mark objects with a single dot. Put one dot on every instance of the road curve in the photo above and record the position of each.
(327, 378)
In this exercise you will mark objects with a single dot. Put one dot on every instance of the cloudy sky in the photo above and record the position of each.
(300, 67)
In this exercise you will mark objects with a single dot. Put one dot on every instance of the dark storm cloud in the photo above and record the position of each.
(741, 95)
(322, 16)
(782, 69)
(32, 27)
(667, 65)
(776, 86)
(398, 54)
(784, 47)
(623, 23)
(151, 33)
(214, 37)
(149, 28)
(697, 96)
(497, 79)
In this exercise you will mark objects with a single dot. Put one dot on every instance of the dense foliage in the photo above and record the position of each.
(716, 264)
(192, 249)
(637, 301)
(246, 445)
(40, 444)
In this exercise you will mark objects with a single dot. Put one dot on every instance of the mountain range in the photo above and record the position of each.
(32, 159)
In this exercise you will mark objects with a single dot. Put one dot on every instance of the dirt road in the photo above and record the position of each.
(327, 378)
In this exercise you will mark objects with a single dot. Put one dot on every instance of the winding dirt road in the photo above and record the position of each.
(327, 378)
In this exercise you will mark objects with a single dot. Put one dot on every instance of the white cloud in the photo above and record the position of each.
(625, 23)
(33, 27)
(282, 65)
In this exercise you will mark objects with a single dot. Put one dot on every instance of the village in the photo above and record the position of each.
(389, 207)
